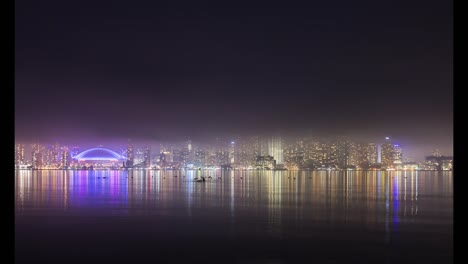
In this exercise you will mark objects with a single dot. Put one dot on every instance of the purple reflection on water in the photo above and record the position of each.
(396, 206)
(263, 209)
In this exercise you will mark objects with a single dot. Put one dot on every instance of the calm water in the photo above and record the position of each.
(235, 217)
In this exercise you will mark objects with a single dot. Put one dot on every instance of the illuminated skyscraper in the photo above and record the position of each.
(366, 155)
(397, 154)
(200, 159)
(293, 155)
(346, 153)
(372, 153)
(253, 149)
(55, 155)
(65, 158)
(176, 155)
(19, 154)
(232, 152)
(162, 159)
(274, 148)
(313, 152)
(387, 153)
(190, 152)
(181, 156)
(130, 155)
(36, 156)
(147, 156)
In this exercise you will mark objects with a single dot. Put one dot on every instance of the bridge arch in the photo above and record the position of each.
(99, 154)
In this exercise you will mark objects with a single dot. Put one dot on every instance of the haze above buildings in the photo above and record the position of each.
(160, 71)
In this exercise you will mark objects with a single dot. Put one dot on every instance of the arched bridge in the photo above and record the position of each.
(99, 154)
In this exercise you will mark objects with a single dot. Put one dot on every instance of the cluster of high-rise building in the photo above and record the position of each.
(278, 153)
(53, 156)
(242, 153)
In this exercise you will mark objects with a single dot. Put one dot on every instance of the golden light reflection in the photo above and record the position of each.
(379, 200)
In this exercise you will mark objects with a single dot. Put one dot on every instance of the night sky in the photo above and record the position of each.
(167, 70)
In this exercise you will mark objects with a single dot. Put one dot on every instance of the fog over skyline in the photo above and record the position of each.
(90, 72)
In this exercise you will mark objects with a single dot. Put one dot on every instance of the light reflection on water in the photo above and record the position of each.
(392, 212)
(297, 197)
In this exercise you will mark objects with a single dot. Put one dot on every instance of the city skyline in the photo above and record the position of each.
(288, 153)
(233, 131)
(166, 71)
(413, 150)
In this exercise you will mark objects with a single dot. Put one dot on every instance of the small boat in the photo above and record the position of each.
(201, 179)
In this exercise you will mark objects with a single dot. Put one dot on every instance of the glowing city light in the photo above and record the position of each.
(84, 155)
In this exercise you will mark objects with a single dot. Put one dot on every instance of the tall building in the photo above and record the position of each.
(130, 155)
(232, 152)
(147, 156)
(190, 152)
(189, 145)
(386, 154)
(397, 154)
(327, 154)
(162, 159)
(165, 157)
(346, 153)
(36, 156)
(313, 153)
(176, 155)
(65, 158)
(55, 155)
(200, 159)
(294, 155)
(365, 155)
(372, 153)
(47, 156)
(184, 157)
(273, 146)
(222, 158)
(19, 154)
(241, 151)
(252, 148)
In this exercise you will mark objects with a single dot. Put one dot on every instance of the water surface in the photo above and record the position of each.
(233, 217)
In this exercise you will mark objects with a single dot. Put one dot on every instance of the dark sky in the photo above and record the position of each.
(161, 70)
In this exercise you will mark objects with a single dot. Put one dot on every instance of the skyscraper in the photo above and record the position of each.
(19, 154)
(55, 155)
(200, 159)
(346, 154)
(232, 152)
(274, 148)
(65, 158)
(190, 152)
(387, 153)
(372, 153)
(162, 159)
(365, 155)
(36, 156)
(130, 155)
(147, 156)
(397, 154)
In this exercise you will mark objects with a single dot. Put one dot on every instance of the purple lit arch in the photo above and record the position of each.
(99, 154)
